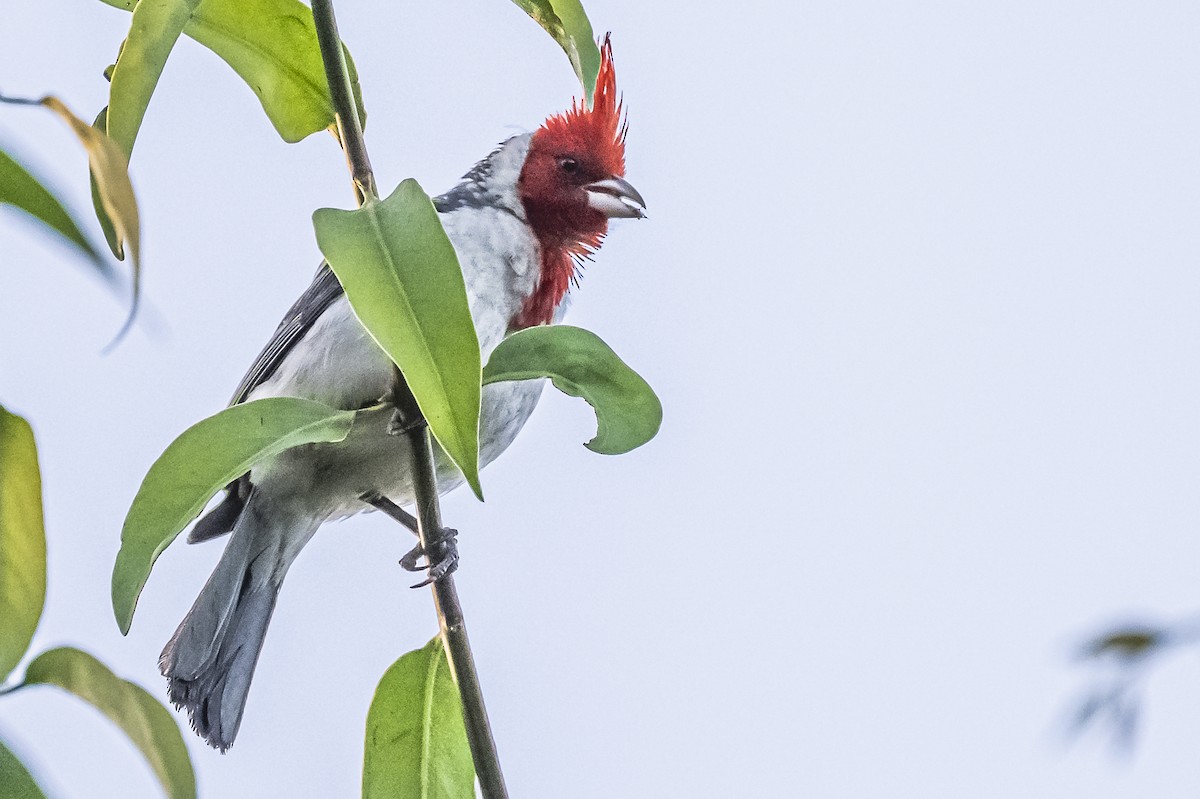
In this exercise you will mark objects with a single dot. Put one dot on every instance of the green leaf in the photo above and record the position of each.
(22, 190)
(15, 780)
(155, 27)
(142, 718)
(628, 413)
(567, 22)
(201, 461)
(22, 541)
(272, 45)
(416, 740)
(403, 281)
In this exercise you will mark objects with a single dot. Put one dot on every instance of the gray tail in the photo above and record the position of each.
(209, 661)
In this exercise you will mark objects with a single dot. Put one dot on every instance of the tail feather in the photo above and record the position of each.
(221, 519)
(210, 660)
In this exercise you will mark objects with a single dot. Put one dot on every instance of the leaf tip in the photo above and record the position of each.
(122, 608)
(126, 588)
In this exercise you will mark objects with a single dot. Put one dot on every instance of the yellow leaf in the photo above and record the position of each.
(111, 170)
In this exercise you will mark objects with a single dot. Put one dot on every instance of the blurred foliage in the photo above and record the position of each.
(22, 190)
(22, 541)
(143, 719)
(1121, 660)
(15, 780)
(146, 722)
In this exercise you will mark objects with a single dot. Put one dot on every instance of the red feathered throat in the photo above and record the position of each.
(568, 152)
(560, 268)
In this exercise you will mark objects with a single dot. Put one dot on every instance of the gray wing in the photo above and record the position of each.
(325, 289)
(323, 292)
(316, 299)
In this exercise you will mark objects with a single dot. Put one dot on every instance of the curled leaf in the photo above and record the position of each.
(628, 413)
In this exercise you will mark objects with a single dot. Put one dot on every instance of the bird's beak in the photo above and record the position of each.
(616, 197)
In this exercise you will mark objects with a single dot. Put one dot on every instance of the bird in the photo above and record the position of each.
(522, 222)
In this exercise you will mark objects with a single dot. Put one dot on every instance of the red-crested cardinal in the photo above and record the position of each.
(520, 221)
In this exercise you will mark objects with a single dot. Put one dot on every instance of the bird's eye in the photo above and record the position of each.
(569, 165)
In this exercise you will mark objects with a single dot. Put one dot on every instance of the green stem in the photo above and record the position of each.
(349, 126)
(413, 425)
(452, 625)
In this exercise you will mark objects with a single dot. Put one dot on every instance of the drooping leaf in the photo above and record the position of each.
(155, 27)
(197, 464)
(403, 281)
(272, 45)
(115, 245)
(22, 541)
(110, 170)
(567, 22)
(416, 740)
(148, 725)
(22, 190)
(628, 413)
(15, 780)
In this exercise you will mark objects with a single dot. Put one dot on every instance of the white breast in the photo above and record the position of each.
(338, 363)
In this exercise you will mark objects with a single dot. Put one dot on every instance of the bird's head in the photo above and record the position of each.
(573, 182)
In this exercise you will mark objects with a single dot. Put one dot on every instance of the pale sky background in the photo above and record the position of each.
(919, 292)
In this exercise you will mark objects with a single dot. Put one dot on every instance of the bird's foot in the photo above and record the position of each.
(441, 557)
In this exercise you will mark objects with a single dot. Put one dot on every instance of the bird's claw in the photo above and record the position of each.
(441, 558)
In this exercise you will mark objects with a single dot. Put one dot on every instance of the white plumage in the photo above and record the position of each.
(515, 222)
(212, 655)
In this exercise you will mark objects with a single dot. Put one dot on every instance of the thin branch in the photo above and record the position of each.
(445, 597)
(413, 425)
(19, 100)
(349, 126)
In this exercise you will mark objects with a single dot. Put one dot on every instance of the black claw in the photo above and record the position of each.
(443, 567)
(441, 559)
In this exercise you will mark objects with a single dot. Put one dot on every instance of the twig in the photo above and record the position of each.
(445, 599)
(341, 93)
(412, 424)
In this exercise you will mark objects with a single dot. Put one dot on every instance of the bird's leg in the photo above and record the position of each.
(391, 509)
(443, 557)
